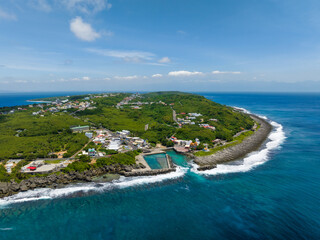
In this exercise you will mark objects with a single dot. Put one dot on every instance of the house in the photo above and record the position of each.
(195, 114)
(89, 134)
(213, 119)
(114, 144)
(91, 152)
(205, 125)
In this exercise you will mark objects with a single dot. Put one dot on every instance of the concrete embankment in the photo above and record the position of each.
(148, 171)
(235, 152)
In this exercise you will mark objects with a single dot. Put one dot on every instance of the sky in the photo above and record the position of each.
(157, 45)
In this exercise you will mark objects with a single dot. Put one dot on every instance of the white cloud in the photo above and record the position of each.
(72, 79)
(107, 79)
(128, 56)
(83, 30)
(184, 73)
(41, 5)
(87, 6)
(7, 16)
(21, 81)
(219, 72)
(157, 75)
(181, 32)
(126, 78)
(164, 60)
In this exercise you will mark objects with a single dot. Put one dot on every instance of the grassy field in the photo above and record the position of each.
(236, 140)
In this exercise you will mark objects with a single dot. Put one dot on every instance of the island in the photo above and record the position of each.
(98, 137)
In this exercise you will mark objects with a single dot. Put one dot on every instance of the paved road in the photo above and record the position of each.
(174, 116)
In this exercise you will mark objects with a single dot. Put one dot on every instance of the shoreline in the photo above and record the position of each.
(232, 153)
(229, 154)
(141, 168)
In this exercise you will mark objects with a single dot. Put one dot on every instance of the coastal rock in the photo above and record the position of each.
(23, 187)
(207, 167)
(127, 168)
(4, 187)
(54, 180)
(14, 187)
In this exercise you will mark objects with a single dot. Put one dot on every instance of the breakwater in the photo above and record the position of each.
(235, 152)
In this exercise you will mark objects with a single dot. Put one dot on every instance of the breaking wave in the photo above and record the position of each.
(276, 138)
(123, 182)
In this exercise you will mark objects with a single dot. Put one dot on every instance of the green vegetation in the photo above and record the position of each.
(79, 166)
(54, 161)
(127, 158)
(26, 136)
(4, 176)
(83, 164)
(228, 122)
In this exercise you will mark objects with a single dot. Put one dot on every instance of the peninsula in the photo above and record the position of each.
(96, 137)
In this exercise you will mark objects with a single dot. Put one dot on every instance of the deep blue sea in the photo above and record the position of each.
(272, 194)
(14, 99)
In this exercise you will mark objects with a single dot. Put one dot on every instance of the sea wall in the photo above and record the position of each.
(232, 153)
(148, 172)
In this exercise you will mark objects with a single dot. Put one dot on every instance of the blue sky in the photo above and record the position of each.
(147, 45)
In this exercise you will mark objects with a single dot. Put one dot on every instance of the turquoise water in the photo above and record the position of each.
(157, 161)
(273, 194)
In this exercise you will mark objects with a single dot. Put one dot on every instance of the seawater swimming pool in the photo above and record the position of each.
(157, 161)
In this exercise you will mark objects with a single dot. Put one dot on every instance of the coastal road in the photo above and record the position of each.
(174, 116)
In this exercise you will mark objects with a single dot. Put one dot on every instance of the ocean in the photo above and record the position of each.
(273, 193)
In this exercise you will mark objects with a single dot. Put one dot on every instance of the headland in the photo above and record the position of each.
(81, 138)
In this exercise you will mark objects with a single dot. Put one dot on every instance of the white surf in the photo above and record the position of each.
(123, 182)
(275, 139)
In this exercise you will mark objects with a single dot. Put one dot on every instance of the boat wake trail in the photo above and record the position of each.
(275, 139)
(123, 182)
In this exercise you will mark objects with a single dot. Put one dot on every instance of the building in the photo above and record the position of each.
(80, 129)
(195, 114)
(89, 134)
(91, 152)
(114, 144)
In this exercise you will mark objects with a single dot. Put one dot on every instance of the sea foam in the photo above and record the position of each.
(254, 159)
(123, 182)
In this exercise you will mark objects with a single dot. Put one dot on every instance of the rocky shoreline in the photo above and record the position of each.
(232, 153)
(57, 180)
(248, 145)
